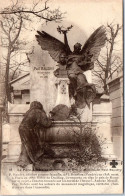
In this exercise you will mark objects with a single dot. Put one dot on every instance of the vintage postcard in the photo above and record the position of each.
(61, 97)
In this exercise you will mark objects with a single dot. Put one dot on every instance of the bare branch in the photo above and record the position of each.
(109, 62)
(44, 13)
(4, 28)
(101, 65)
(12, 24)
(18, 33)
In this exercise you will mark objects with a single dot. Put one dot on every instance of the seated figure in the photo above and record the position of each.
(79, 88)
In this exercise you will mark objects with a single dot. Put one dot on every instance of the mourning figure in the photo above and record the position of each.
(77, 62)
(34, 122)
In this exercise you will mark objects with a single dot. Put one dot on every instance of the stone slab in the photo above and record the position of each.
(42, 79)
(118, 146)
(117, 102)
(117, 131)
(115, 94)
(102, 108)
(117, 121)
(17, 109)
(117, 112)
(6, 132)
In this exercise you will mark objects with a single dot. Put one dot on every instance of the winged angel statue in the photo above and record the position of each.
(77, 62)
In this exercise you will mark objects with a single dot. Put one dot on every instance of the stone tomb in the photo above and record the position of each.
(47, 89)
(51, 91)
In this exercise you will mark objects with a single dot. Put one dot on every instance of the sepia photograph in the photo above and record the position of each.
(61, 97)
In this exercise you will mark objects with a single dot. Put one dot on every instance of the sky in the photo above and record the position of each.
(89, 14)
(85, 14)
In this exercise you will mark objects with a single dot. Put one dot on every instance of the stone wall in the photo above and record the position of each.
(102, 113)
(16, 113)
(116, 97)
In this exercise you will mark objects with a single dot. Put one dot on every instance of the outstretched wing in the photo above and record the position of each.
(92, 47)
(51, 44)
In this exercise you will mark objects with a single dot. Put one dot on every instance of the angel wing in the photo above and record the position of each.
(92, 48)
(51, 44)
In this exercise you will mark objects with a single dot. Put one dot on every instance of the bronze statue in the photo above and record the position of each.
(78, 61)
(61, 70)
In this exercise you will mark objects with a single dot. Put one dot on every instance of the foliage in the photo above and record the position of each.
(88, 147)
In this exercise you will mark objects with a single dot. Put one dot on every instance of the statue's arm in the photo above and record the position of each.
(81, 81)
(43, 119)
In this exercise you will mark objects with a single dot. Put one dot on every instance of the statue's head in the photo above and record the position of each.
(62, 58)
(36, 105)
(77, 48)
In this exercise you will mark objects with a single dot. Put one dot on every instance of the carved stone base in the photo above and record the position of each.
(62, 92)
(61, 133)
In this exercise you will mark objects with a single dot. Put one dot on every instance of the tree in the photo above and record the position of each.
(38, 9)
(109, 60)
(13, 20)
(11, 29)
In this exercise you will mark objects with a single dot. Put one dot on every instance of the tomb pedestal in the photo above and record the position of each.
(62, 85)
